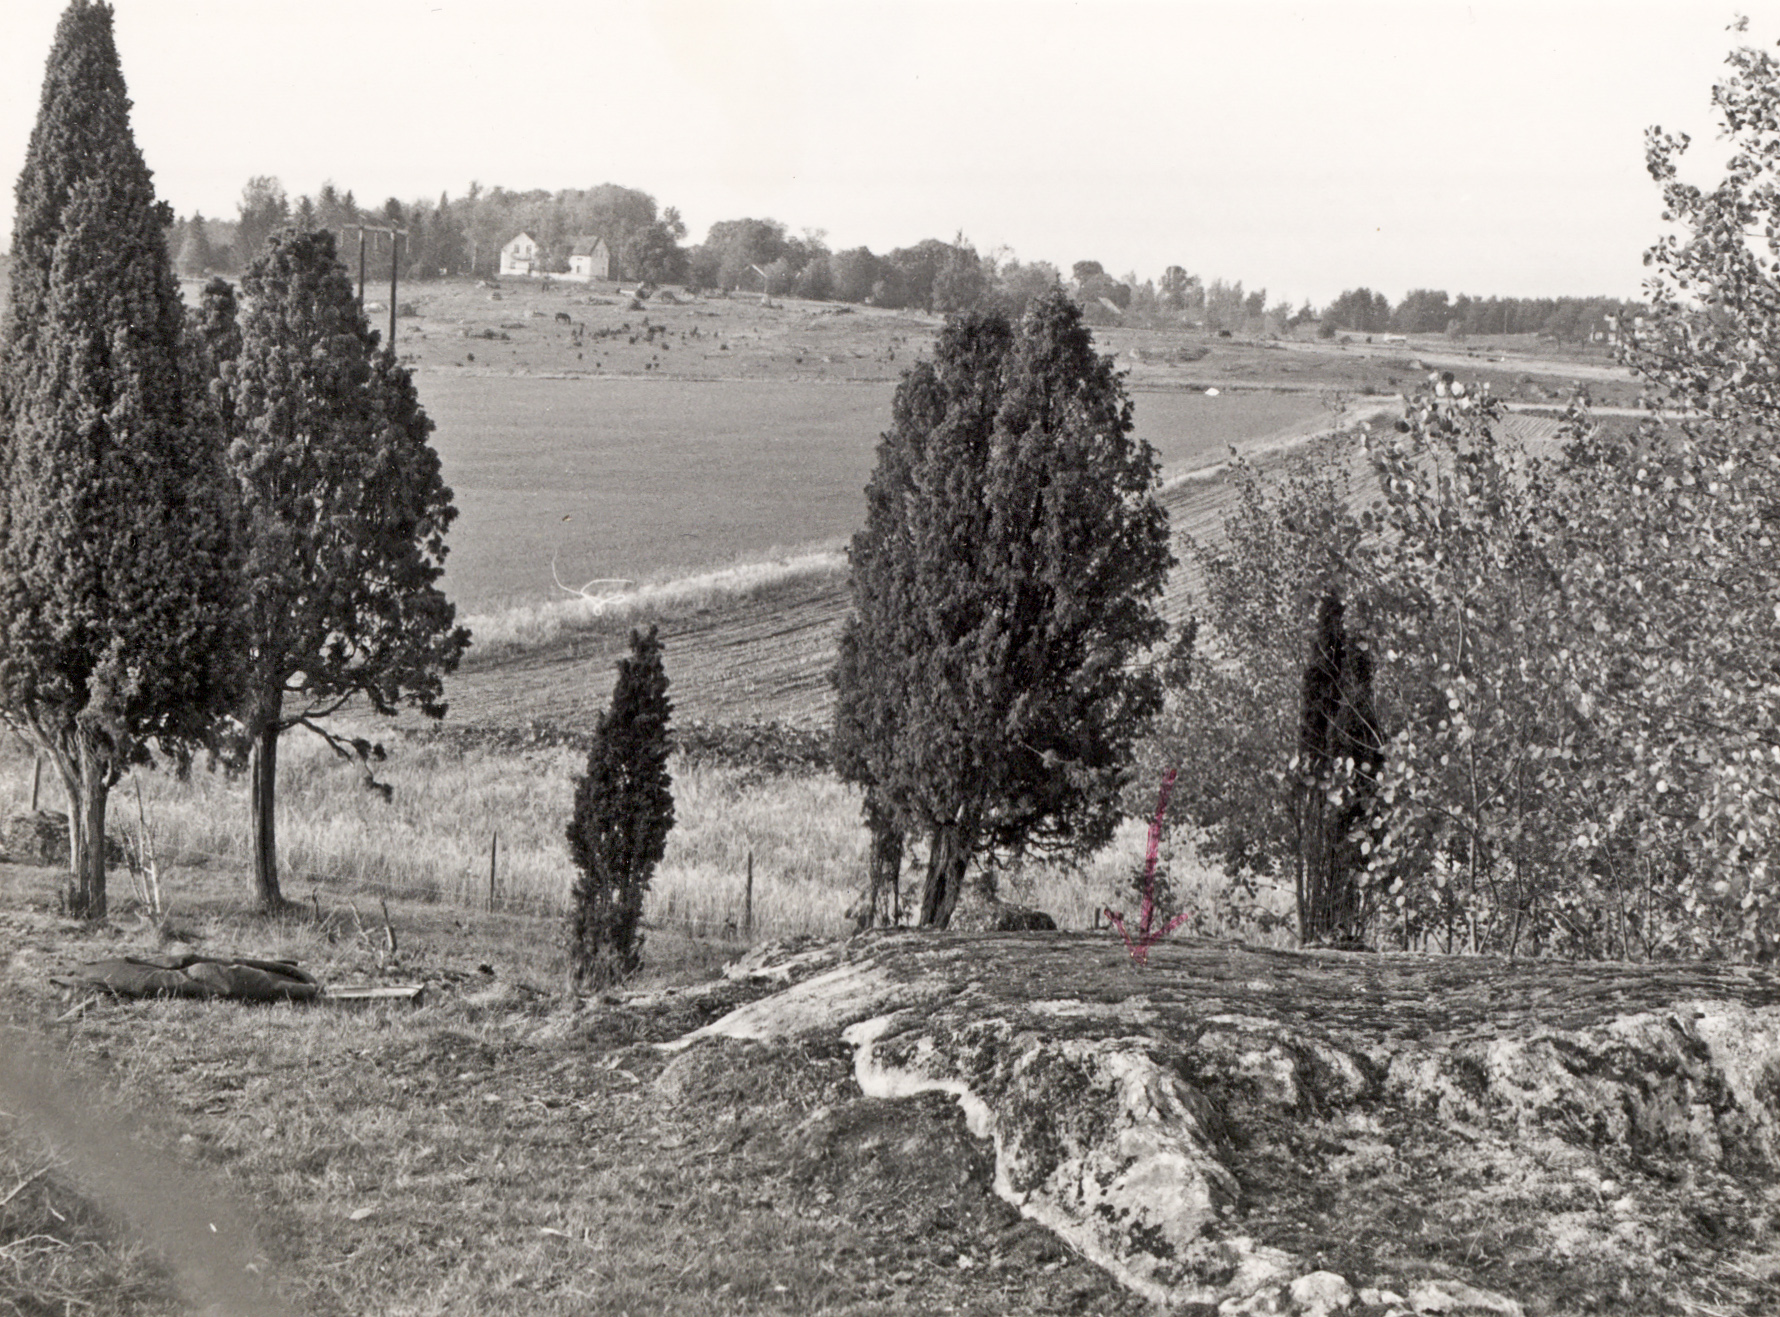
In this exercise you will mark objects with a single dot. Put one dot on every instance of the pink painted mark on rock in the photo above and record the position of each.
(1147, 936)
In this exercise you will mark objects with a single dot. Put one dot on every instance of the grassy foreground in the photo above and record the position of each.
(500, 1148)
(495, 1149)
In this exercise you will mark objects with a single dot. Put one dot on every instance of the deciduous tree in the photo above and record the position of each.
(1232, 721)
(195, 257)
(262, 210)
(1672, 551)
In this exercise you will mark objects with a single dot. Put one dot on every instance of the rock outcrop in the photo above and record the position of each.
(41, 838)
(1238, 1130)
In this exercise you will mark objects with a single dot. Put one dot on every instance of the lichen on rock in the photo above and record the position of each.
(1206, 1128)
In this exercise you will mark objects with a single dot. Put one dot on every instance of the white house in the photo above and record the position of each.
(590, 258)
(519, 256)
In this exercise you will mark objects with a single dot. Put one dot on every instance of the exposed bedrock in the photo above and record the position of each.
(1186, 1124)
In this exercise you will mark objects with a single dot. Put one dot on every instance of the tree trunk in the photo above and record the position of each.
(86, 835)
(946, 861)
(886, 867)
(264, 774)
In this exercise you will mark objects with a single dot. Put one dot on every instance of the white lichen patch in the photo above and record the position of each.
(1133, 1010)
(1603, 1153)
(878, 1080)
(1092, 1139)
(775, 963)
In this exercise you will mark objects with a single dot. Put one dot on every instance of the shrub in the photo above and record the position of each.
(624, 807)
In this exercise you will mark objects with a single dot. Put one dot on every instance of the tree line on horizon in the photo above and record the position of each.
(462, 237)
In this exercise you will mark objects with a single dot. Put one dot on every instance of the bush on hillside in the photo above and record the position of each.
(624, 807)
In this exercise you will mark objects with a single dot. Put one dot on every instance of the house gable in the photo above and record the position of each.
(520, 255)
(590, 258)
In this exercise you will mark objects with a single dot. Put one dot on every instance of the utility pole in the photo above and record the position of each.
(395, 261)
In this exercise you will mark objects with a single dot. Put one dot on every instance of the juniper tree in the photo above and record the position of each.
(858, 720)
(1003, 584)
(1339, 756)
(115, 571)
(624, 808)
(343, 513)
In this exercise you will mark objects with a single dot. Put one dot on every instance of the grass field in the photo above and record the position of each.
(492, 1150)
(430, 842)
(641, 479)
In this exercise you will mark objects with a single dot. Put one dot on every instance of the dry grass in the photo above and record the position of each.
(513, 631)
(341, 843)
(491, 1150)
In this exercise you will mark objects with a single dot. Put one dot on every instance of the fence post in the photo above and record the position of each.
(36, 778)
(748, 902)
(494, 842)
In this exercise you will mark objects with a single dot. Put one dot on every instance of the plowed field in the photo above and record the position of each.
(768, 656)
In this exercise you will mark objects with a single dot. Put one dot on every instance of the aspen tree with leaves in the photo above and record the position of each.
(1477, 796)
(1575, 652)
(1673, 557)
(1231, 721)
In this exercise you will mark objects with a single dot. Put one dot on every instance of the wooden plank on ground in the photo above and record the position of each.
(408, 992)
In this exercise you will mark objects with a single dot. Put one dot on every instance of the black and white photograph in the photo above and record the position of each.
(845, 658)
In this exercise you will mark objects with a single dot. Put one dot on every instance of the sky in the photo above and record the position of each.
(1303, 146)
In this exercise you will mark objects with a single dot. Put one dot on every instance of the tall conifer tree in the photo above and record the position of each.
(343, 511)
(1005, 580)
(114, 556)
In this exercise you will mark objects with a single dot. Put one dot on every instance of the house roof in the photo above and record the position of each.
(588, 245)
(526, 238)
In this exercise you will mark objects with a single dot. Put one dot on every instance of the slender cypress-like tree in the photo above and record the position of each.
(115, 570)
(624, 808)
(1340, 752)
(1005, 580)
(343, 513)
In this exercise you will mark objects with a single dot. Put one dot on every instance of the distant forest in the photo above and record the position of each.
(464, 236)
